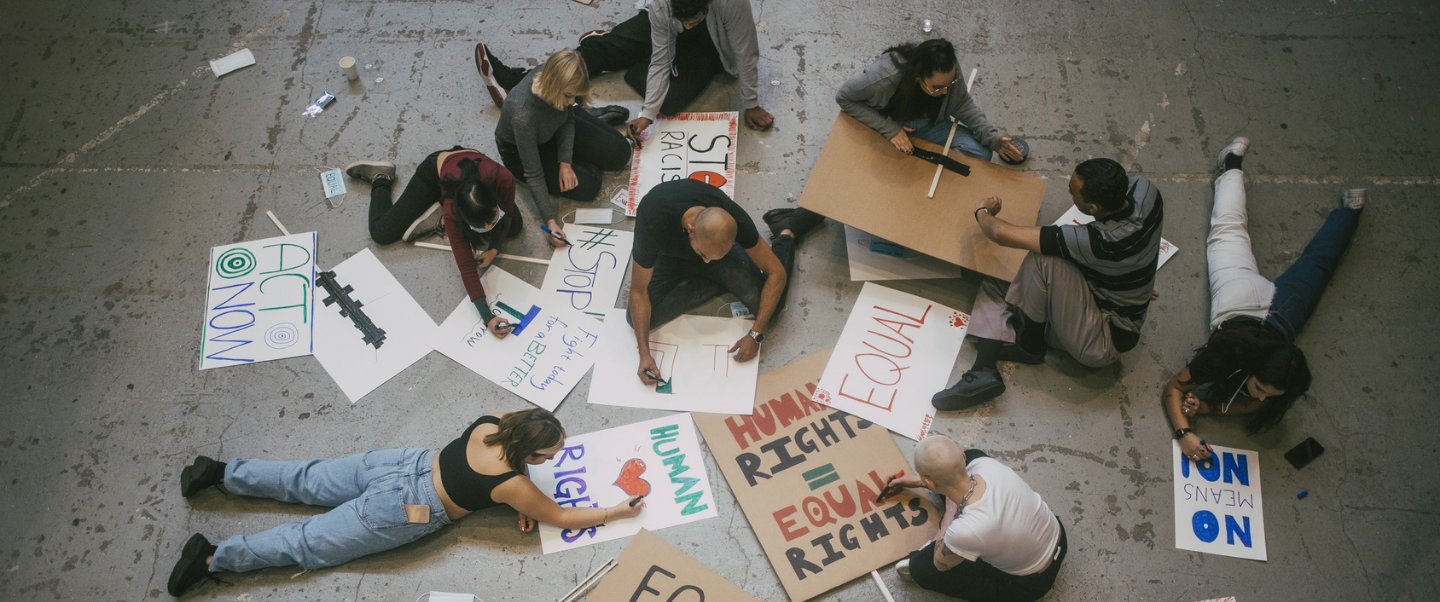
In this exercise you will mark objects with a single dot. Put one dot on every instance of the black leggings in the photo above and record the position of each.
(388, 222)
(597, 148)
(627, 48)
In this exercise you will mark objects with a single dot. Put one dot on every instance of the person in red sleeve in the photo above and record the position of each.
(469, 195)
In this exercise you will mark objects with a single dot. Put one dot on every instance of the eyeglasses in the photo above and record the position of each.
(939, 89)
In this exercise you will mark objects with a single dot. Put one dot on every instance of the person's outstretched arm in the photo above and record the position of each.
(521, 494)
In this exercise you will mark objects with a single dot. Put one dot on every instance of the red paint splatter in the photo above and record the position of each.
(959, 320)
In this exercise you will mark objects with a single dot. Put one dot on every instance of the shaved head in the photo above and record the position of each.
(714, 231)
(940, 459)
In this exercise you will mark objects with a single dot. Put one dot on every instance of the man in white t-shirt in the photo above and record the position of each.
(997, 541)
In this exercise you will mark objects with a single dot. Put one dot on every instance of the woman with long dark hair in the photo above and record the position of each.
(384, 499)
(467, 194)
(1250, 366)
(915, 90)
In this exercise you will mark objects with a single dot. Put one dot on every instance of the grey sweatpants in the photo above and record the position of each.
(1050, 290)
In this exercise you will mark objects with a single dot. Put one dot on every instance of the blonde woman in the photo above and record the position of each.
(547, 139)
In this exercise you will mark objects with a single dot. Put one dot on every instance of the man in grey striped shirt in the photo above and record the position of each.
(1083, 288)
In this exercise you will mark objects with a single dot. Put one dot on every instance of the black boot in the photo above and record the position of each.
(191, 568)
(202, 473)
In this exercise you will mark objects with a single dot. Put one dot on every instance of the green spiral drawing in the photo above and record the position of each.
(235, 263)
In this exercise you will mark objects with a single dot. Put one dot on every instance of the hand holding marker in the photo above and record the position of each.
(546, 229)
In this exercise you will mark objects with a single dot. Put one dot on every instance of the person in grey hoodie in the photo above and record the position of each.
(913, 90)
(669, 52)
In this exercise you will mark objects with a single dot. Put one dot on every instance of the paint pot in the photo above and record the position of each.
(347, 66)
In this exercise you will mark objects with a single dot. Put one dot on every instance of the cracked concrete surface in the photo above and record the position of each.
(122, 160)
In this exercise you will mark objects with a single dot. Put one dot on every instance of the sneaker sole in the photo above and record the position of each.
(410, 233)
(385, 167)
(482, 64)
(590, 34)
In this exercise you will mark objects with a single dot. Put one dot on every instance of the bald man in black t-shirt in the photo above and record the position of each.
(692, 243)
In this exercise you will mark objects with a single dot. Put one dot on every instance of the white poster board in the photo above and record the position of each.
(1074, 216)
(896, 351)
(693, 354)
(258, 305)
(1218, 508)
(699, 146)
(867, 264)
(658, 458)
(357, 366)
(547, 352)
(589, 272)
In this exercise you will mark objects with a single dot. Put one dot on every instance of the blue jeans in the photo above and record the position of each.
(367, 494)
(1297, 291)
(936, 131)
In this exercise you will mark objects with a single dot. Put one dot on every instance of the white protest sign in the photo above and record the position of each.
(693, 354)
(333, 181)
(659, 459)
(258, 305)
(588, 273)
(358, 366)
(1218, 508)
(699, 146)
(547, 352)
(896, 351)
(869, 264)
(1075, 217)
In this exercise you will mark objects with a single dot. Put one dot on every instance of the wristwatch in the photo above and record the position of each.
(759, 338)
(1181, 432)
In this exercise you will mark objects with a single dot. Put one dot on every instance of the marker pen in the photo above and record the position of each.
(546, 229)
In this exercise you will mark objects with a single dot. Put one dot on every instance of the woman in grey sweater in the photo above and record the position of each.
(914, 90)
(553, 146)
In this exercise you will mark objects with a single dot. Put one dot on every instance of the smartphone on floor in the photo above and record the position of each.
(1302, 454)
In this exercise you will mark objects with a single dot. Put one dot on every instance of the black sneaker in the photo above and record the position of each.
(974, 388)
(797, 220)
(204, 472)
(1013, 352)
(191, 568)
(613, 115)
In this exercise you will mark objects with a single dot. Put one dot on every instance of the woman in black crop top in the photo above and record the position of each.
(384, 499)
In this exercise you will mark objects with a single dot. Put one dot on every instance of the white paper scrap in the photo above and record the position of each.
(238, 60)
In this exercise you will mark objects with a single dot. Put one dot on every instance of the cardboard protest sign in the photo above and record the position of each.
(891, 261)
(356, 360)
(548, 350)
(652, 569)
(896, 351)
(659, 459)
(1218, 509)
(588, 273)
(861, 180)
(699, 146)
(806, 477)
(1074, 216)
(693, 354)
(258, 304)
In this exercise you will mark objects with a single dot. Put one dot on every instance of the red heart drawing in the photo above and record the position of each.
(959, 320)
(629, 480)
(709, 177)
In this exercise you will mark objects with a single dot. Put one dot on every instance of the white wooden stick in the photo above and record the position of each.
(881, 584)
(590, 582)
(431, 245)
(944, 152)
(971, 80)
(277, 223)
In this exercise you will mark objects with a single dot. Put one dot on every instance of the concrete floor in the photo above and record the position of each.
(123, 160)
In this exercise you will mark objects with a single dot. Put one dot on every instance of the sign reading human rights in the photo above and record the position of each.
(652, 569)
(699, 146)
(1218, 508)
(659, 459)
(548, 351)
(259, 304)
(807, 476)
(896, 351)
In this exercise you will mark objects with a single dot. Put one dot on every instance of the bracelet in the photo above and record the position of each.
(1181, 432)
(985, 209)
